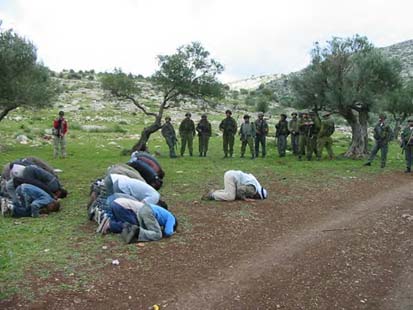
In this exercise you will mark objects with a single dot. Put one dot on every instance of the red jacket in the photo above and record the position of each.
(62, 129)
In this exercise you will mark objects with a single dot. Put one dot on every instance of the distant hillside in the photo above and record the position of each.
(404, 52)
(281, 86)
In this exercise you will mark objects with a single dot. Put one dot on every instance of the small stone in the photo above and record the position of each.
(115, 262)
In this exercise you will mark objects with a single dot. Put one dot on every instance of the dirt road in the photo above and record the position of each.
(346, 245)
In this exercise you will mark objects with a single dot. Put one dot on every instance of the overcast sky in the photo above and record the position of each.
(248, 37)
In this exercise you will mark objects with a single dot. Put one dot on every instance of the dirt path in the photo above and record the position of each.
(225, 290)
(334, 246)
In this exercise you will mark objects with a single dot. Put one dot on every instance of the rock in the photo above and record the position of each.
(22, 139)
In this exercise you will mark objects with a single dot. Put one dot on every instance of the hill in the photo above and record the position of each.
(280, 85)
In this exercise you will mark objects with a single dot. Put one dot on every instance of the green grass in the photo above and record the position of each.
(64, 243)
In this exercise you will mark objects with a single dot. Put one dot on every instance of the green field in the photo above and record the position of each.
(65, 242)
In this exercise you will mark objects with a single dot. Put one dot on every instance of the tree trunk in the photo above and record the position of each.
(146, 133)
(5, 111)
(359, 139)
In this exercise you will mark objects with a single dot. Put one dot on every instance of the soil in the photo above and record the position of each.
(346, 245)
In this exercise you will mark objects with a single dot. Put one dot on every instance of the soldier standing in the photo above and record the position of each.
(324, 136)
(59, 135)
(382, 136)
(281, 133)
(228, 126)
(187, 133)
(407, 144)
(204, 132)
(247, 133)
(304, 127)
(293, 128)
(168, 132)
(315, 129)
(261, 128)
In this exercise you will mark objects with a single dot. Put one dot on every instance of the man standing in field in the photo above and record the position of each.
(407, 144)
(228, 126)
(324, 136)
(247, 133)
(382, 136)
(187, 133)
(293, 128)
(204, 132)
(261, 128)
(59, 135)
(168, 132)
(281, 134)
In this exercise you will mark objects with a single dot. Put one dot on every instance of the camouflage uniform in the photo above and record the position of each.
(407, 144)
(324, 136)
(261, 128)
(293, 128)
(305, 127)
(228, 126)
(315, 129)
(168, 132)
(247, 133)
(204, 133)
(382, 136)
(281, 134)
(187, 133)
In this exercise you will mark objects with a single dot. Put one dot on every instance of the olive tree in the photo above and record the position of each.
(348, 76)
(24, 82)
(188, 73)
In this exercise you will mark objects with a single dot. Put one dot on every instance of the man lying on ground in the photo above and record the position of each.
(137, 221)
(31, 201)
(238, 185)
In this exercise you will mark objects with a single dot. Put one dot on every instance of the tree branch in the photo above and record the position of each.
(6, 111)
(136, 103)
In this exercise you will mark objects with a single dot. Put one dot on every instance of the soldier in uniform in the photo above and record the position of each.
(187, 133)
(228, 126)
(382, 136)
(293, 128)
(281, 133)
(247, 133)
(304, 128)
(324, 136)
(168, 132)
(204, 133)
(261, 128)
(407, 144)
(315, 129)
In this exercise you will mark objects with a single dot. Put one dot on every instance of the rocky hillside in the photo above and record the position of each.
(281, 86)
(404, 52)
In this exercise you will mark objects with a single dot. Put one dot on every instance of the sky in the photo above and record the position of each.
(250, 38)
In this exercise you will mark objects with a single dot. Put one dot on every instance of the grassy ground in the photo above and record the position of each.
(64, 243)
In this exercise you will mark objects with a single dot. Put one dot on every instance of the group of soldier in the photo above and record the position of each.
(309, 134)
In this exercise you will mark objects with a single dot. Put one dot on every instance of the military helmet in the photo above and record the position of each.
(228, 112)
(246, 116)
(204, 116)
(61, 113)
(168, 118)
(294, 113)
(382, 116)
(283, 115)
(260, 114)
(188, 114)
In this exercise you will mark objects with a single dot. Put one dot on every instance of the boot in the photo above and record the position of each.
(408, 170)
(130, 233)
(383, 165)
(367, 164)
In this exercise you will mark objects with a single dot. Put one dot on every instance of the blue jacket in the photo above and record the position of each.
(165, 219)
